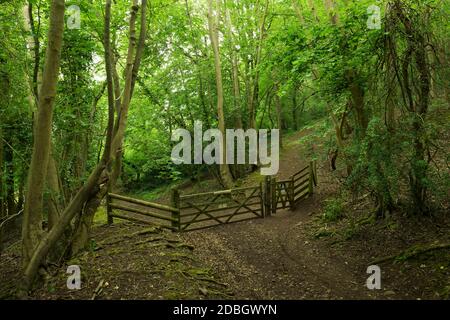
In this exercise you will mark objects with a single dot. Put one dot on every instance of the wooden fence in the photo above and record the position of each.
(202, 210)
(141, 211)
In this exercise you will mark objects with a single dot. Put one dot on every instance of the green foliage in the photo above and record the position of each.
(376, 169)
(309, 63)
(333, 210)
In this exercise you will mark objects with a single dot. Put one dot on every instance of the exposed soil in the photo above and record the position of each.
(289, 255)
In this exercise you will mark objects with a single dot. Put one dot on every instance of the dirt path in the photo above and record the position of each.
(274, 258)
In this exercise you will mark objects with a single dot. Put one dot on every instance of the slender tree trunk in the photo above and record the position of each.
(225, 174)
(294, 110)
(239, 169)
(10, 183)
(254, 99)
(5, 149)
(234, 73)
(134, 56)
(279, 113)
(32, 219)
(416, 53)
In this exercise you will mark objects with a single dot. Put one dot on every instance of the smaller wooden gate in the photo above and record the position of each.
(282, 194)
(286, 194)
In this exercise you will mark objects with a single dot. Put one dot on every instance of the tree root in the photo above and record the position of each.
(151, 230)
(411, 252)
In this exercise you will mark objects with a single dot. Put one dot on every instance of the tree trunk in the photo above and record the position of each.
(235, 74)
(330, 7)
(254, 98)
(225, 174)
(134, 56)
(32, 219)
(54, 196)
(22, 182)
(279, 113)
(9, 176)
(294, 110)
(418, 106)
(239, 169)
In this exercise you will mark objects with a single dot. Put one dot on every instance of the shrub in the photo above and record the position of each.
(334, 209)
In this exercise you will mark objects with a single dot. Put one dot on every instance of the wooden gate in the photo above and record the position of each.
(286, 194)
(203, 210)
(303, 183)
(282, 194)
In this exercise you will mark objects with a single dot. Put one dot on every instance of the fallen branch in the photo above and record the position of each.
(189, 276)
(211, 281)
(98, 290)
(149, 240)
(9, 218)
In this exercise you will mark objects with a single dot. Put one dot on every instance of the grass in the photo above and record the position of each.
(153, 194)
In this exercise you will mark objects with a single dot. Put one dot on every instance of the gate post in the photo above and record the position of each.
(315, 173)
(274, 195)
(175, 201)
(267, 196)
(109, 209)
(291, 193)
(262, 199)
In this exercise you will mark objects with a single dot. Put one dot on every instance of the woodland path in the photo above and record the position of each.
(274, 258)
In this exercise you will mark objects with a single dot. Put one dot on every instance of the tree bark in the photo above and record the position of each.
(418, 107)
(32, 219)
(254, 98)
(294, 109)
(279, 113)
(134, 56)
(9, 176)
(234, 73)
(238, 169)
(227, 180)
(54, 196)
